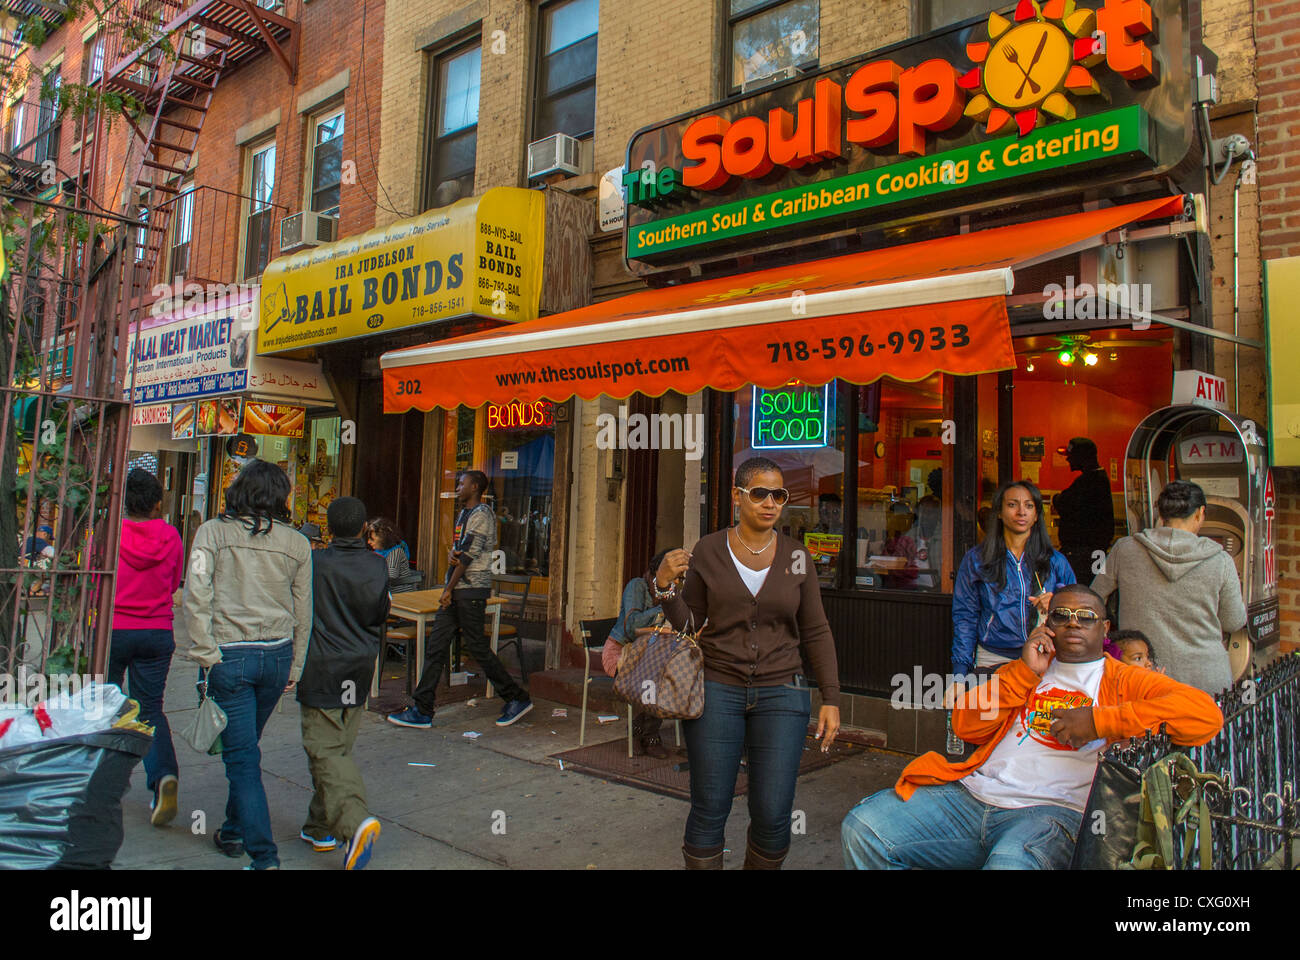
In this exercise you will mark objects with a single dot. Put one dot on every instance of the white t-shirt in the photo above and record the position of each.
(753, 578)
(1030, 766)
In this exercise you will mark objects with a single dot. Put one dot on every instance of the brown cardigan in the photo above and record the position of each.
(757, 641)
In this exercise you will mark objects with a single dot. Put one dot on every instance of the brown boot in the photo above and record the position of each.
(697, 859)
(758, 859)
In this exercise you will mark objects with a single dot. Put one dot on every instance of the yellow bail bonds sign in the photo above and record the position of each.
(1104, 136)
(481, 256)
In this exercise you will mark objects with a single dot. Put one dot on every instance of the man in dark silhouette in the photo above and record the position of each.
(1085, 510)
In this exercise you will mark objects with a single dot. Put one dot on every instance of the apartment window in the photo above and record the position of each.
(453, 146)
(141, 233)
(939, 13)
(182, 230)
(92, 68)
(566, 81)
(17, 117)
(257, 229)
(768, 37)
(47, 147)
(327, 162)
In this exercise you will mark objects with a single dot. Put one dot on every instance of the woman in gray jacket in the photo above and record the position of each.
(248, 614)
(1180, 589)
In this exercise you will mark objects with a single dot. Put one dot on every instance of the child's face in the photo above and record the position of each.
(1135, 653)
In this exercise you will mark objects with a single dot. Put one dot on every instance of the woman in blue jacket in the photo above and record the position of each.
(1004, 582)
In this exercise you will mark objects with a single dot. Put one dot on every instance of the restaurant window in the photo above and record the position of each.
(47, 126)
(453, 140)
(260, 214)
(566, 72)
(801, 428)
(327, 162)
(934, 14)
(521, 469)
(900, 484)
(767, 37)
(182, 231)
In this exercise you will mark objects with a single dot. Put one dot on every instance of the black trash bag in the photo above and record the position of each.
(1106, 842)
(61, 800)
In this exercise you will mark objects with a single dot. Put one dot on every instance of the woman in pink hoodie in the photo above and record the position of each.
(149, 572)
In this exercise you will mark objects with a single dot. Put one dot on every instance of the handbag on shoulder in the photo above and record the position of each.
(204, 731)
(662, 674)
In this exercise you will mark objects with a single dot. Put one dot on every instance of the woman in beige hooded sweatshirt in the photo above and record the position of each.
(1179, 588)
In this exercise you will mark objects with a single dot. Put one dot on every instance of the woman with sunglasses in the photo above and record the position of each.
(755, 595)
(1006, 582)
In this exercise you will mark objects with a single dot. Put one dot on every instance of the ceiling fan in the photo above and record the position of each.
(1081, 348)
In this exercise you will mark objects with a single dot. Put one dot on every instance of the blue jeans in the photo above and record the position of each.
(944, 827)
(768, 723)
(144, 657)
(247, 684)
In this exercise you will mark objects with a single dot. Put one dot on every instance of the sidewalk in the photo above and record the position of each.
(443, 817)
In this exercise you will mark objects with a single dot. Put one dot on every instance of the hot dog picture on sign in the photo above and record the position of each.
(274, 419)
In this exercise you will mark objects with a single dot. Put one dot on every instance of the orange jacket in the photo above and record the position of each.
(1130, 701)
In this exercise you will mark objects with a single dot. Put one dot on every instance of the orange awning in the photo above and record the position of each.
(906, 311)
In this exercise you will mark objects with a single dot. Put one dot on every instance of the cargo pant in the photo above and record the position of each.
(338, 804)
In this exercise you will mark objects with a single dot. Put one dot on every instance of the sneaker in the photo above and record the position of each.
(164, 801)
(251, 867)
(231, 848)
(323, 845)
(514, 710)
(411, 717)
(363, 842)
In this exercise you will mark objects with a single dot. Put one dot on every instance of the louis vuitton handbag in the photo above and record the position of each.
(662, 674)
(204, 732)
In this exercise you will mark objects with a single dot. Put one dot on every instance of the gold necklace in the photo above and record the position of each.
(751, 549)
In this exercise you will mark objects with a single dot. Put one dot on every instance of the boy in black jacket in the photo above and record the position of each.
(350, 603)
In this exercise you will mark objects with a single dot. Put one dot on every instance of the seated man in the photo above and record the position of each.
(1016, 803)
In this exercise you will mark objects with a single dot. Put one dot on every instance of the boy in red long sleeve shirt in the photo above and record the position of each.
(1017, 801)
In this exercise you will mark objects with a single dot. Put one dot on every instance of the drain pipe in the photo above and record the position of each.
(1247, 167)
(1236, 295)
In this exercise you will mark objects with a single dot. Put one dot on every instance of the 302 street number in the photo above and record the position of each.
(408, 386)
(936, 338)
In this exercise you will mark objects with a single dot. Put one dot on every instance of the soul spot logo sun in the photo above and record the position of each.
(1029, 63)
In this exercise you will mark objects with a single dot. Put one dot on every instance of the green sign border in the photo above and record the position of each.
(984, 162)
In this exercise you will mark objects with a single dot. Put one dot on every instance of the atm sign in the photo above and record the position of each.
(1214, 448)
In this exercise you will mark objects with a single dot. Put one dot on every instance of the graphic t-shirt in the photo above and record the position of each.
(1030, 766)
(475, 534)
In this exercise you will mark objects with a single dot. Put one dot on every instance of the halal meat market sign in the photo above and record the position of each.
(1045, 92)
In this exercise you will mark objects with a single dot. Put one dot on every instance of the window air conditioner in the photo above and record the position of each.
(770, 79)
(558, 153)
(307, 229)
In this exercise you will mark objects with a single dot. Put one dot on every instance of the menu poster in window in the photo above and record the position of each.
(274, 419)
(184, 416)
(824, 547)
(207, 419)
(1032, 448)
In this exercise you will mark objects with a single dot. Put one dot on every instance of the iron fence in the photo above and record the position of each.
(1254, 804)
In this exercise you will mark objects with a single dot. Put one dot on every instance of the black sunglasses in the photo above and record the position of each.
(779, 495)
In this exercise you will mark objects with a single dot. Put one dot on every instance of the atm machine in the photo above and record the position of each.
(1224, 454)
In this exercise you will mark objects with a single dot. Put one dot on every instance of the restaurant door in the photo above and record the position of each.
(1061, 420)
(388, 465)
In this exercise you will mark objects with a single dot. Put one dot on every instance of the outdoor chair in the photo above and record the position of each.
(592, 634)
(508, 587)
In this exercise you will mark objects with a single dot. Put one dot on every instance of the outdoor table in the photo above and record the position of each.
(420, 606)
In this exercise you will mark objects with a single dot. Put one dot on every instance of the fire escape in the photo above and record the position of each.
(208, 40)
(64, 421)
